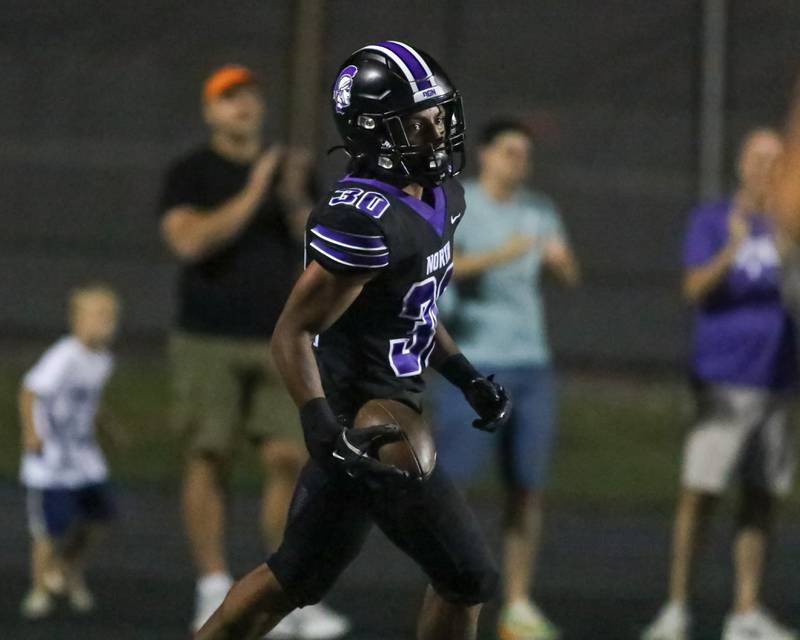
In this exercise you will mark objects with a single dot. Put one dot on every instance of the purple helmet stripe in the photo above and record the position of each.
(349, 240)
(405, 61)
(412, 60)
(397, 60)
(425, 67)
(350, 259)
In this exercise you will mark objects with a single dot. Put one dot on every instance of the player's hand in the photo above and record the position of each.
(353, 451)
(491, 402)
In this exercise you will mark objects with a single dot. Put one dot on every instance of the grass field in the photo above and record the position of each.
(606, 539)
(618, 448)
(618, 444)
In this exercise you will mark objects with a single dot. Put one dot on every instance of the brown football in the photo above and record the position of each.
(415, 453)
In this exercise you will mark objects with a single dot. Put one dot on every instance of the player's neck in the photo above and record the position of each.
(497, 189)
(415, 190)
(236, 148)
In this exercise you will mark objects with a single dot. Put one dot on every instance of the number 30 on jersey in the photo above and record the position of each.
(409, 356)
(370, 202)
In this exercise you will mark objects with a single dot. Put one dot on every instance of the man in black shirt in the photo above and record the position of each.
(232, 213)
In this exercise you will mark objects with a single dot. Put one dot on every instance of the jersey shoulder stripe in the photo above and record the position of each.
(350, 257)
(357, 241)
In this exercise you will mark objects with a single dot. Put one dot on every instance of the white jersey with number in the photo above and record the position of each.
(67, 381)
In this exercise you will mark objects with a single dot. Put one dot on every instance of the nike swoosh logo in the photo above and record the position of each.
(456, 217)
(337, 456)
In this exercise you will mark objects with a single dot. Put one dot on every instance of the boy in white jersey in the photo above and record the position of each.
(63, 467)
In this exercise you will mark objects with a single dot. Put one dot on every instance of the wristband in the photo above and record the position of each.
(458, 370)
(317, 412)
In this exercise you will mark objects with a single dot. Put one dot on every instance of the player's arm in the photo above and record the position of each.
(30, 439)
(489, 399)
(319, 299)
(192, 234)
(700, 281)
(470, 265)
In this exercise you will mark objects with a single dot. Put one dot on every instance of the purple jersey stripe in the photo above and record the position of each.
(350, 259)
(349, 240)
(409, 57)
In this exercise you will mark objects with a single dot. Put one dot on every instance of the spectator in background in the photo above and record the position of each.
(233, 212)
(743, 363)
(509, 232)
(63, 467)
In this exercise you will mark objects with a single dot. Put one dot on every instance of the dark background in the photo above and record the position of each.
(99, 96)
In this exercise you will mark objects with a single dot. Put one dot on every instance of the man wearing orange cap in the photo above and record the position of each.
(233, 212)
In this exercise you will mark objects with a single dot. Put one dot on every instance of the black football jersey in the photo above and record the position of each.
(383, 342)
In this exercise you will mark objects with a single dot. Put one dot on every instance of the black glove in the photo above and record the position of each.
(490, 400)
(349, 450)
(354, 450)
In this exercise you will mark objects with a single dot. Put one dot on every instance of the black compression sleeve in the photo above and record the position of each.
(458, 370)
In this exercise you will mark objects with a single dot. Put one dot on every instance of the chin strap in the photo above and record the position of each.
(336, 148)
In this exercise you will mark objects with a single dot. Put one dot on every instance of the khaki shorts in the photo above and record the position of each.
(741, 431)
(226, 389)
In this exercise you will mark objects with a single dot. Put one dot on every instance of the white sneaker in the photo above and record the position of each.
(37, 605)
(211, 591)
(523, 620)
(671, 623)
(286, 629)
(755, 625)
(80, 598)
(320, 622)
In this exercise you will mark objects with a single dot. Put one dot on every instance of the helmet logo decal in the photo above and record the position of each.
(343, 87)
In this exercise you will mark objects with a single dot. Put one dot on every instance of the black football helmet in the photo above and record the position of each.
(379, 85)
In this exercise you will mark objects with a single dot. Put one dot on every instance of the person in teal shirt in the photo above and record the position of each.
(508, 234)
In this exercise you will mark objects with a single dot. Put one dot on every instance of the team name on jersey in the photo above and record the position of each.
(438, 259)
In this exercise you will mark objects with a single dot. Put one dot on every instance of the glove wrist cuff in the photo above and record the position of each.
(458, 371)
(317, 412)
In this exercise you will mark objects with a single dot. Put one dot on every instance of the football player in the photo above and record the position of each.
(361, 324)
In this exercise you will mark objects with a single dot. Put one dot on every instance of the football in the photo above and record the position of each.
(415, 453)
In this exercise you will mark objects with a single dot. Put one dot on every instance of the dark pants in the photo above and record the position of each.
(331, 515)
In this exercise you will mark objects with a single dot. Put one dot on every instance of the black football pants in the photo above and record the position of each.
(330, 517)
